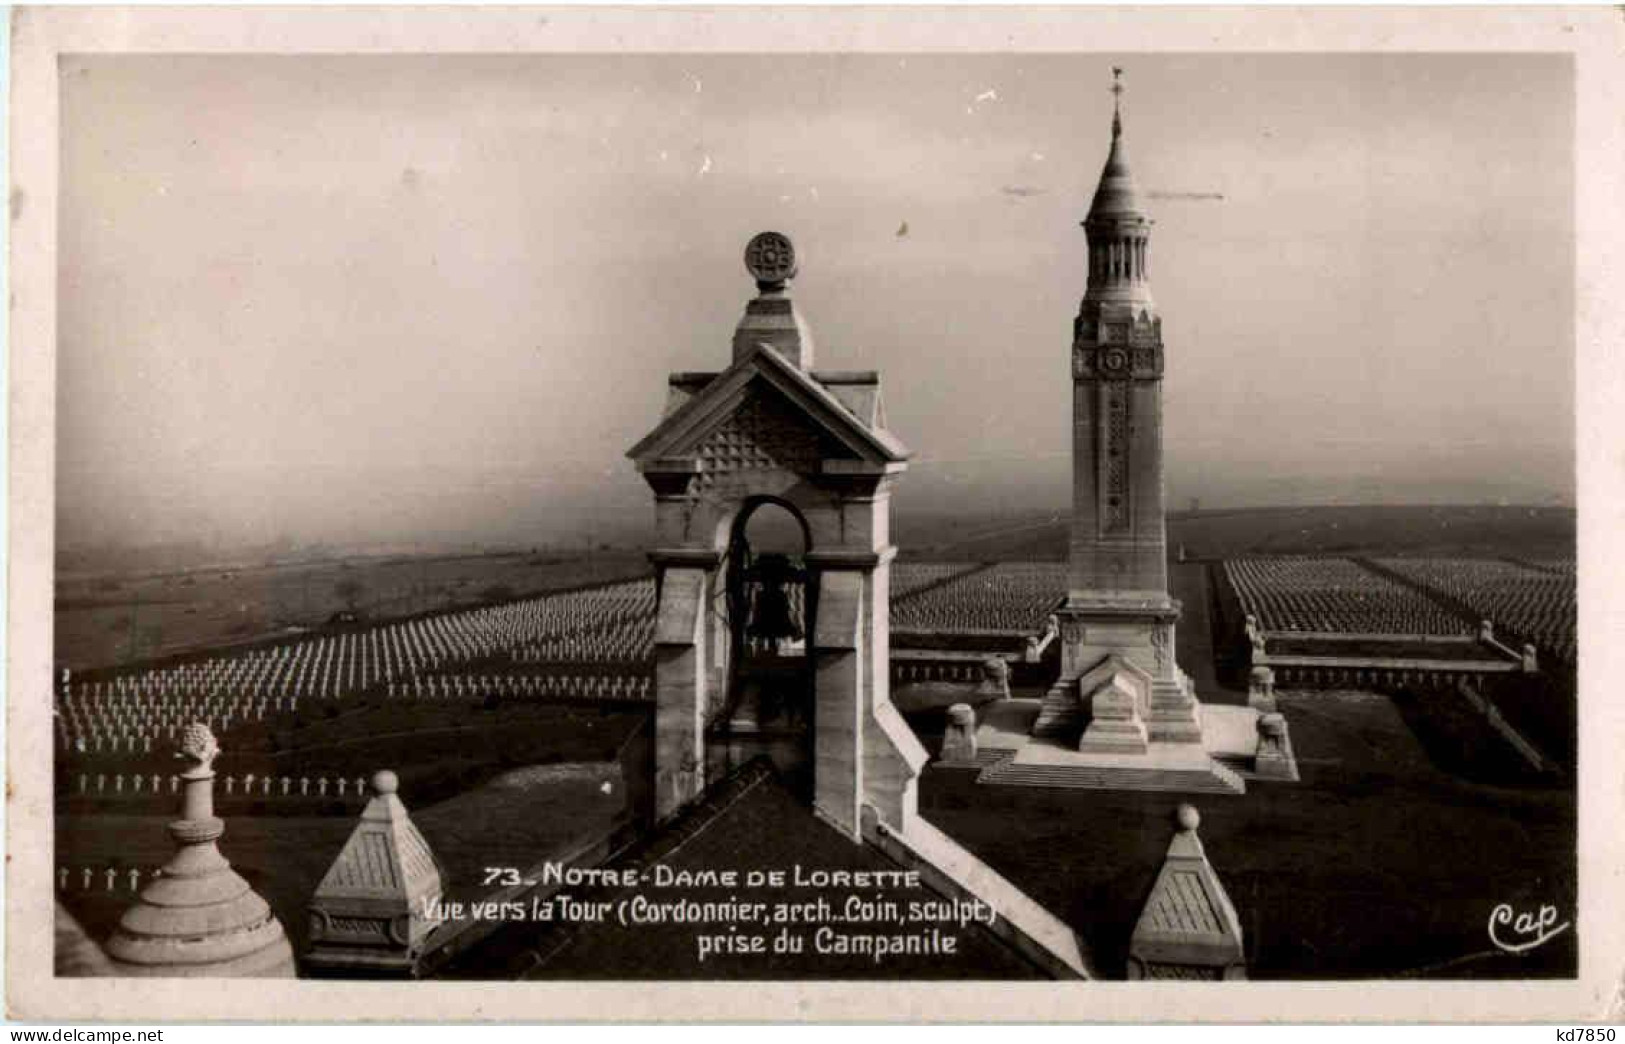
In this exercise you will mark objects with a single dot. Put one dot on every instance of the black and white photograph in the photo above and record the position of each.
(800, 499)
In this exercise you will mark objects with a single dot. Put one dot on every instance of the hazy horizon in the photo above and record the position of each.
(419, 299)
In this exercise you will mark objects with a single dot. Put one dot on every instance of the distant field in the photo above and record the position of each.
(105, 620)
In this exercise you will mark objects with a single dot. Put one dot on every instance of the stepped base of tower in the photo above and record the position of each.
(1177, 767)
(1123, 715)
(1120, 689)
(1008, 754)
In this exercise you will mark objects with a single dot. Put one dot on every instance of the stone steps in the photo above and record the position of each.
(1214, 779)
(990, 756)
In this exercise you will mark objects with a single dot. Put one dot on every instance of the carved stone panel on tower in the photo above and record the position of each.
(1115, 516)
(764, 435)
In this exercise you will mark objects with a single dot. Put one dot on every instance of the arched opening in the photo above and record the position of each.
(770, 595)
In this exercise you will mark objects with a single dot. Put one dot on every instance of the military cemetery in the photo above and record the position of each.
(790, 741)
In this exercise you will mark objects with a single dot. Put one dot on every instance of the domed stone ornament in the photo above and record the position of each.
(199, 918)
(770, 258)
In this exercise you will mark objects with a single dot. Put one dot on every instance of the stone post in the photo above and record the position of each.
(995, 684)
(959, 739)
(1273, 759)
(1261, 689)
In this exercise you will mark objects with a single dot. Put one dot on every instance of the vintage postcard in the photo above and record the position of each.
(815, 513)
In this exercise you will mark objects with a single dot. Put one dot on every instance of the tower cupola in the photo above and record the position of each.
(1118, 228)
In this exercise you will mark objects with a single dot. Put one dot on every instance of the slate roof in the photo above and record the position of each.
(750, 819)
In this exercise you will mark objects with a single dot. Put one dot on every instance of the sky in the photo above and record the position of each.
(434, 299)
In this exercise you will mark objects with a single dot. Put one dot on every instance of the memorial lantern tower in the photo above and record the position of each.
(1119, 680)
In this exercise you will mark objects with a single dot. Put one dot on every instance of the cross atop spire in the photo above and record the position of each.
(1117, 100)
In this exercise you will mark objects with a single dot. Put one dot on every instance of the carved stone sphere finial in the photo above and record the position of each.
(385, 782)
(1272, 725)
(198, 744)
(770, 258)
(1188, 818)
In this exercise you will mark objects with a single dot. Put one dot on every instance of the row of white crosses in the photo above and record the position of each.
(936, 670)
(92, 718)
(104, 784)
(909, 578)
(623, 640)
(607, 687)
(102, 879)
(1536, 604)
(1335, 595)
(130, 713)
(1010, 596)
(92, 736)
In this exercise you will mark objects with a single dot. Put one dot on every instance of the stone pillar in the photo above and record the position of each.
(876, 766)
(838, 685)
(198, 918)
(680, 687)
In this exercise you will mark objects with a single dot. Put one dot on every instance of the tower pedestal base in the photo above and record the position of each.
(1123, 715)
(1112, 648)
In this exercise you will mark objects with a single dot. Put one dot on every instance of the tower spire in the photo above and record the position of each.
(1117, 102)
(1118, 226)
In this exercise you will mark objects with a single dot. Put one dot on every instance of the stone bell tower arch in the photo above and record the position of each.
(770, 427)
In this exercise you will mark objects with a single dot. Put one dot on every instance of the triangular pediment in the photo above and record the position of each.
(765, 432)
(769, 411)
